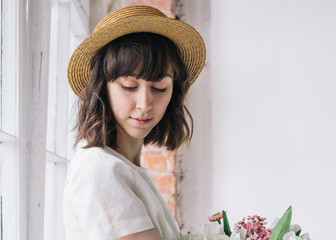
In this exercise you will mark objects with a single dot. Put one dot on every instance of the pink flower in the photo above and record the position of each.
(255, 228)
(256, 217)
(216, 217)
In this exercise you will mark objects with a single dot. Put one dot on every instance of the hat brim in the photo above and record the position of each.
(188, 40)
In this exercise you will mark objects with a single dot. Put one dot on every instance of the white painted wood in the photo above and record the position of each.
(9, 176)
(9, 69)
(1, 113)
(38, 52)
(52, 84)
(72, 114)
(53, 158)
(82, 6)
(80, 23)
(5, 137)
(62, 82)
(77, 33)
(22, 123)
(59, 112)
(58, 84)
(14, 197)
(55, 178)
(58, 128)
(86, 5)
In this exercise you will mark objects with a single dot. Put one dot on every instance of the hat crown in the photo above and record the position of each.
(136, 10)
(133, 19)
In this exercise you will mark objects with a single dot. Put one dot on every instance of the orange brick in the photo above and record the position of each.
(155, 161)
(166, 184)
(171, 161)
(166, 6)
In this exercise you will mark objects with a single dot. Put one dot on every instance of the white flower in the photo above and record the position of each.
(222, 237)
(295, 228)
(238, 235)
(291, 236)
(188, 236)
(212, 231)
(305, 236)
(241, 233)
(209, 231)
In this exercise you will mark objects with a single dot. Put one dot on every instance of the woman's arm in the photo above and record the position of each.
(150, 234)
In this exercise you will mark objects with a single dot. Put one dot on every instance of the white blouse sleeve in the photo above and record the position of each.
(103, 193)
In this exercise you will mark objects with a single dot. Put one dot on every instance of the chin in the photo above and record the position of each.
(139, 134)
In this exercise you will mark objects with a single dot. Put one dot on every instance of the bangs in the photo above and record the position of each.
(144, 56)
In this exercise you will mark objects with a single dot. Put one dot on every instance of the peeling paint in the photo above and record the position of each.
(81, 6)
(40, 70)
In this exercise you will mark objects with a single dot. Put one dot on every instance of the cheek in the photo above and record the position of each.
(119, 101)
(162, 103)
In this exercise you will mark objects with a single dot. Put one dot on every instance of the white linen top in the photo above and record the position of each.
(107, 197)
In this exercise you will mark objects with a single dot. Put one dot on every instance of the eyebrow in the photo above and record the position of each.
(165, 75)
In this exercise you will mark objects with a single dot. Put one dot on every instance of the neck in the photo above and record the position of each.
(129, 148)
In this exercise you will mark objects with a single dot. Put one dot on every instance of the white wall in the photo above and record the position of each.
(274, 110)
(194, 186)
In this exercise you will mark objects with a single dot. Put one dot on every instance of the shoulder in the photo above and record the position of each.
(95, 156)
(84, 154)
(97, 163)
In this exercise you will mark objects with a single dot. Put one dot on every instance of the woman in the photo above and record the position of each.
(131, 76)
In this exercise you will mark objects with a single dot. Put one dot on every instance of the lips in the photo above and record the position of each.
(142, 120)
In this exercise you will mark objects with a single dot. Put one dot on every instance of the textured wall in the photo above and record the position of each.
(274, 110)
(195, 160)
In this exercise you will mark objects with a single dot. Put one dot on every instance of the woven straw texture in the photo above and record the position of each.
(130, 20)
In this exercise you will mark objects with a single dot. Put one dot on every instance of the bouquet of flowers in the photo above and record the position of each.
(251, 228)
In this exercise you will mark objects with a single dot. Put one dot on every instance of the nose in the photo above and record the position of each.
(144, 99)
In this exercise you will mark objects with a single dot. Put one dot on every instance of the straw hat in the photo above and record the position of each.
(133, 19)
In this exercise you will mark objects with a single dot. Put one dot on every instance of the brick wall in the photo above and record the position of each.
(166, 6)
(162, 164)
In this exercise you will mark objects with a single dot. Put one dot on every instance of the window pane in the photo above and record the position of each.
(1, 158)
(51, 126)
(1, 65)
(1, 118)
(53, 215)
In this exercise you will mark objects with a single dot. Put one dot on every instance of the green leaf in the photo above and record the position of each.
(226, 224)
(282, 226)
(298, 233)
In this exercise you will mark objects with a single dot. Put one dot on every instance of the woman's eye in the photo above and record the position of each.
(128, 88)
(159, 89)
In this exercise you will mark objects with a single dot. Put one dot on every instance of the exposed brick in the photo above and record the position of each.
(166, 183)
(171, 161)
(155, 161)
(166, 6)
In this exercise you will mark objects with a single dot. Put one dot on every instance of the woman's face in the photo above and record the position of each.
(138, 105)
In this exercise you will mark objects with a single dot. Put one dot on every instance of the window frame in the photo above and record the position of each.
(13, 204)
(61, 114)
(24, 34)
(26, 25)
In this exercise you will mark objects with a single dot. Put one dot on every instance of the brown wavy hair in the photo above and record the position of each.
(152, 54)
